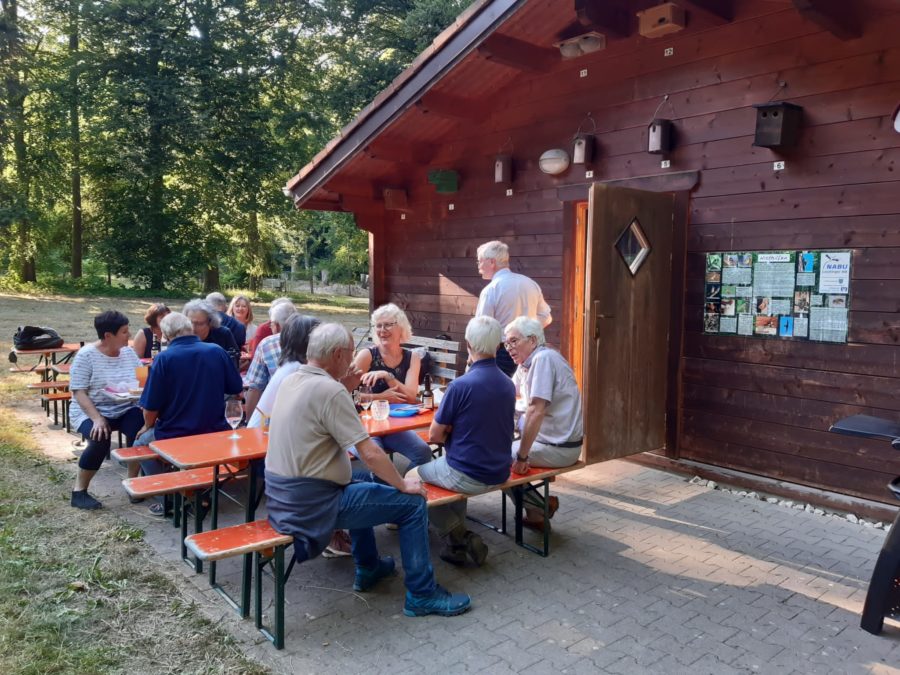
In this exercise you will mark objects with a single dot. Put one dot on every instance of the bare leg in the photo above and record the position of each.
(83, 479)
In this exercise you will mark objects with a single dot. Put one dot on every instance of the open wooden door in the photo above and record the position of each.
(626, 329)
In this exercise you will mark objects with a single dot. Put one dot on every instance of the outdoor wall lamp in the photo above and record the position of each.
(554, 162)
(581, 45)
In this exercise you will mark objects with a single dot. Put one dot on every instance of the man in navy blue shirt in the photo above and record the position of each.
(186, 389)
(475, 424)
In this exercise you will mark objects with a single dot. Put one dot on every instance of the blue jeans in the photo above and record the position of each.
(364, 505)
(406, 443)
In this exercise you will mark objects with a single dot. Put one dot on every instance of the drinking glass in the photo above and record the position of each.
(365, 400)
(234, 412)
(381, 410)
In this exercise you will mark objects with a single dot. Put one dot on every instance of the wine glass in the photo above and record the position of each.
(365, 400)
(234, 413)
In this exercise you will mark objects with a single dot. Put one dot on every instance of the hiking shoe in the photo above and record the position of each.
(441, 602)
(367, 578)
(476, 548)
(455, 554)
(340, 545)
(82, 500)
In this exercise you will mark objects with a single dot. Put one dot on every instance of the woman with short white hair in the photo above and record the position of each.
(551, 428)
(393, 373)
(208, 327)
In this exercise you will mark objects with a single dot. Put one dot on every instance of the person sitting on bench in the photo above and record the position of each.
(95, 412)
(551, 428)
(308, 478)
(186, 390)
(475, 423)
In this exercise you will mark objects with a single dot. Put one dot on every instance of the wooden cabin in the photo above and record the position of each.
(672, 112)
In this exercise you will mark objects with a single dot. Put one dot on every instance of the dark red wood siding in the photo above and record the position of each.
(751, 404)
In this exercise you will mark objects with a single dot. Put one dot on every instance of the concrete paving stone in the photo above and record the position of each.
(758, 648)
(709, 664)
(711, 629)
(553, 653)
(514, 655)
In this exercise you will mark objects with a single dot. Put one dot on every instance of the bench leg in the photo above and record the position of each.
(519, 498)
(276, 635)
(214, 525)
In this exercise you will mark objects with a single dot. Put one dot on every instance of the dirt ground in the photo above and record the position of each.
(78, 594)
(72, 318)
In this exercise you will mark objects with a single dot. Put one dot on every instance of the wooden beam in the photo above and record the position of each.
(839, 17)
(399, 151)
(447, 105)
(349, 185)
(610, 18)
(518, 54)
(716, 11)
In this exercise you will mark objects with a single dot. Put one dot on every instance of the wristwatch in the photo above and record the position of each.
(519, 458)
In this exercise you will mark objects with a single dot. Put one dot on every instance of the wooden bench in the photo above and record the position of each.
(184, 485)
(61, 368)
(63, 397)
(260, 545)
(42, 369)
(137, 453)
(47, 385)
(536, 480)
(444, 353)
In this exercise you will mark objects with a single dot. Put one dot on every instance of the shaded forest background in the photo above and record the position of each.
(149, 140)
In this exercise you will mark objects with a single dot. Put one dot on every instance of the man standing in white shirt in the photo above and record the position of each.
(508, 295)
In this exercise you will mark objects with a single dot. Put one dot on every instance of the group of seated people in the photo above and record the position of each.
(299, 384)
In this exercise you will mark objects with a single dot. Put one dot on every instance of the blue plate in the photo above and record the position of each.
(404, 410)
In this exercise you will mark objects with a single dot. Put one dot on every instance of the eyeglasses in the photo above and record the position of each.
(385, 326)
(513, 342)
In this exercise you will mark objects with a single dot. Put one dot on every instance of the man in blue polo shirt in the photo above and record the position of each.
(186, 390)
(475, 423)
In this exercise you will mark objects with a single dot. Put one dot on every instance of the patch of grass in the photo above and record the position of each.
(81, 593)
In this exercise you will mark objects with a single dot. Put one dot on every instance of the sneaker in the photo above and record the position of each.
(441, 602)
(156, 509)
(455, 554)
(82, 500)
(367, 578)
(476, 548)
(339, 546)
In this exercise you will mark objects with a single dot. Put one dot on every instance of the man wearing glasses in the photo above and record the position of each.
(551, 427)
(508, 295)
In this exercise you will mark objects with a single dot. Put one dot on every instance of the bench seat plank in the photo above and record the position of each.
(61, 368)
(138, 453)
(236, 540)
(60, 396)
(174, 481)
(48, 384)
(438, 495)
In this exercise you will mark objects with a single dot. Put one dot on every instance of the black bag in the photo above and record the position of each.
(36, 337)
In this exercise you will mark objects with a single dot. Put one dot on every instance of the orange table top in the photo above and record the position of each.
(65, 349)
(394, 424)
(193, 452)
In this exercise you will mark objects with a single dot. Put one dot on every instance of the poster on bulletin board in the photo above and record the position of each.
(798, 295)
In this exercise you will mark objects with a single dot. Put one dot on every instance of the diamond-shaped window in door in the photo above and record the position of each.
(633, 246)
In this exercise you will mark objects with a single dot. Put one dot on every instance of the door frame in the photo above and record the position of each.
(681, 184)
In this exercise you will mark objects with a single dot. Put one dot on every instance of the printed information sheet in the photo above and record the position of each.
(778, 294)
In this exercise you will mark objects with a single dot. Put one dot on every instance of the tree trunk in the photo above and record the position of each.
(211, 279)
(16, 93)
(253, 248)
(75, 139)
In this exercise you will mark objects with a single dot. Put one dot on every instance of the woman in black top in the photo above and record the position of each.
(143, 341)
(393, 374)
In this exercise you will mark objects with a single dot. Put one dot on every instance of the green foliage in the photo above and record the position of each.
(190, 114)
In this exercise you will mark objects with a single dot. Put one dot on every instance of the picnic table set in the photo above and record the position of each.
(203, 464)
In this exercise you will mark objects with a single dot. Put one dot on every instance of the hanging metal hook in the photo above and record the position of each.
(587, 117)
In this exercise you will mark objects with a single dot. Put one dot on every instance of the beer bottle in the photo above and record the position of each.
(427, 394)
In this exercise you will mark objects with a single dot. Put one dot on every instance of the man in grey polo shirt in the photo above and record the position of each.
(551, 428)
(308, 478)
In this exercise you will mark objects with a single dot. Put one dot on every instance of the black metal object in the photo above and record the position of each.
(883, 596)
(276, 559)
(518, 499)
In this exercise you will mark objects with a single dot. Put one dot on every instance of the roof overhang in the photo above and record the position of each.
(469, 30)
